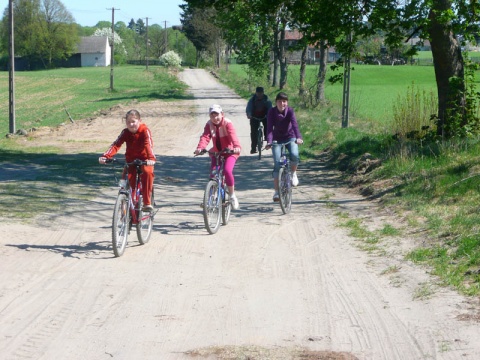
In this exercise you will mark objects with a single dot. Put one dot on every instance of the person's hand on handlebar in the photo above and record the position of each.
(236, 150)
(199, 151)
(102, 160)
(268, 146)
(299, 141)
(150, 162)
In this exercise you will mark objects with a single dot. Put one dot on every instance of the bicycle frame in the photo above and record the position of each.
(133, 197)
(260, 135)
(284, 179)
(128, 211)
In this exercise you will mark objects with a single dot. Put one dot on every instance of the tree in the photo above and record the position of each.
(58, 35)
(439, 21)
(132, 25)
(199, 28)
(140, 27)
(156, 41)
(248, 27)
(44, 30)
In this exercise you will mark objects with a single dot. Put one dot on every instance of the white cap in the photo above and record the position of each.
(215, 108)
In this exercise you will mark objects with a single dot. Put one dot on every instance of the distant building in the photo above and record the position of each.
(94, 51)
(292, 38)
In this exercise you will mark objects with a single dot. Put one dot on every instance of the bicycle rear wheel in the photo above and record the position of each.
(226, 208)
(260, 142)
(285, 190)
(211, 207)
(145, 223)
(120, 224)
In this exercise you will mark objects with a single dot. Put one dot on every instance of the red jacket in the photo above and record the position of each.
(139, 145)
(228, 136)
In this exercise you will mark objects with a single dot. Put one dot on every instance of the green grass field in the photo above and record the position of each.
(42, 98)
(373, 89)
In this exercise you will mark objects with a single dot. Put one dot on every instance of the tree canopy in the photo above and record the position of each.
(255, 28)
(44, 30)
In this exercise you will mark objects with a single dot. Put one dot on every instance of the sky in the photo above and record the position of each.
(90, 12)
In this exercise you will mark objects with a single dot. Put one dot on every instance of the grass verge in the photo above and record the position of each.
(433, 185)
(51, 97)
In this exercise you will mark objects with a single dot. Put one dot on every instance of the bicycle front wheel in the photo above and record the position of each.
(211, 207)
(120, 225)
(260, 142)
(285, 190)
(226, 208)
(145, 223)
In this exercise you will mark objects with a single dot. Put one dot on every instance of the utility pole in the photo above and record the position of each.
(146, 44)
(113, 41)
(11, 70)
(166, 37)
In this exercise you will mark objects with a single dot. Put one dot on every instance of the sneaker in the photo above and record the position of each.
(276, 197)
(147, 208)
(234, 202)
(294, 179)
(253, 151)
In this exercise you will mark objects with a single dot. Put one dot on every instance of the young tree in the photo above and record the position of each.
(199, 27)
(58, 35)
(44, 30)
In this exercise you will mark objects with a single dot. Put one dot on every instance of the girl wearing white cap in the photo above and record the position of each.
(221, 132)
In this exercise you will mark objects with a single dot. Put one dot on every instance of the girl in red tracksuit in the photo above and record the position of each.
(221, 132)
(138, 138)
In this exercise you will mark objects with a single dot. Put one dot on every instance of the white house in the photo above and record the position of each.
(95, 51)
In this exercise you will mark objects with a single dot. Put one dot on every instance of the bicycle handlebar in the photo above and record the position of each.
(224, 151)
(259, 119)
(136, 162)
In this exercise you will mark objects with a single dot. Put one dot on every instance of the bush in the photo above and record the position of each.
(413, 114)
(171, 60)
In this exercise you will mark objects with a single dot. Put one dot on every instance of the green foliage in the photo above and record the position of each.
(45, 33)
(413, 114)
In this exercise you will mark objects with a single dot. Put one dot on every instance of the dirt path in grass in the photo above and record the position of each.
(266, 286)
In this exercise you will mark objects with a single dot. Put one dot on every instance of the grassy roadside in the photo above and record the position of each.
(433, 185)
(43, 180)
(50, 97)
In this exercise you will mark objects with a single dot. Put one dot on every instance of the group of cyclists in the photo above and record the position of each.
(280, 124)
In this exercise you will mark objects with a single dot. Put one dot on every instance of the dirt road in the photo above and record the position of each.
(266, 286)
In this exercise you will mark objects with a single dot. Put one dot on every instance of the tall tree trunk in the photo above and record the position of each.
(303, 66)
(198, 55)
(275, 81)
(448, 64)
(322, 72)
(282, 57)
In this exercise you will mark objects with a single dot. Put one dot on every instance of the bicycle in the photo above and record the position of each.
(284, 180)
(128, 210)
(260, 136)
(216, 198)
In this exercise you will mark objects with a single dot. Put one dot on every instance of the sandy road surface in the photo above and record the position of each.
(266, 286)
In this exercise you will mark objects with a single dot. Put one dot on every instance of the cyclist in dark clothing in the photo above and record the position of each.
(257, 108)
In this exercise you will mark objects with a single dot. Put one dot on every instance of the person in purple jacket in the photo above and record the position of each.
(282, 128)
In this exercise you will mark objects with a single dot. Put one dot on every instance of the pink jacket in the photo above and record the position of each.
(228, 136)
